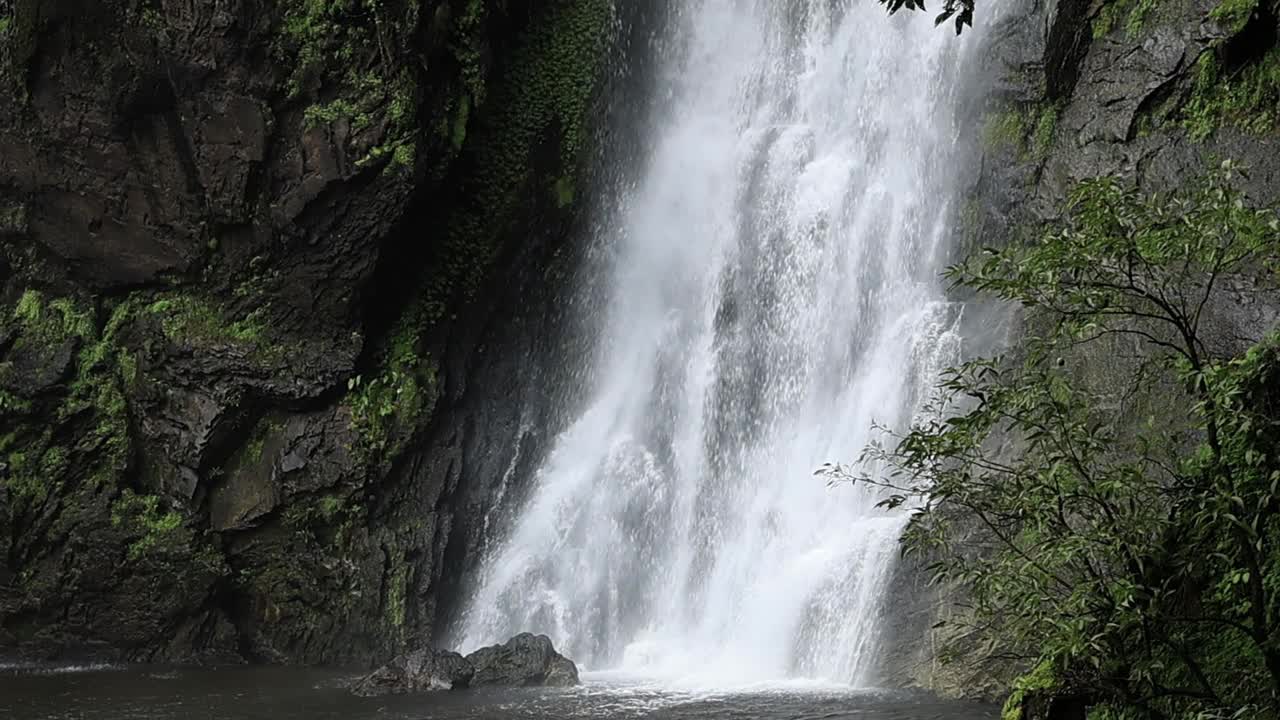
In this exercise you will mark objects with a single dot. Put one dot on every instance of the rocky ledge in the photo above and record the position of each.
(525, 660)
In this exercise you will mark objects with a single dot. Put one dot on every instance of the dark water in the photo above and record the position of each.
(150, 693)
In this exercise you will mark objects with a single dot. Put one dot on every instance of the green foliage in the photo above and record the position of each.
(152, 19)
(330, 506)
(1132, 13)
(396, 592)
(51, 322)
(152, 528)
(391, 400)
(20, 25)
(1112, 712)
(544, 95)
(564, 191)
(33, 473)
(1042, 136)
(128, 369)
(190, 319)
(316, 30)
(467, 44)
(1233, 14)
(1139, 561)
(959, 11)
(80, 441)
(351, 51)
(1042, 679)
(1026, 130)
(1248, 99)
(1006, 129)
(30, 307)
(1137, 19)
(402, 156)
(458, 135)
(13, 217)
(1106, 20)
(317, 115)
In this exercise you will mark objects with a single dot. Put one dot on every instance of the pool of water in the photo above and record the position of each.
(244, 693)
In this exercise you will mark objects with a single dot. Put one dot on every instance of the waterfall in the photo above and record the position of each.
(774, 292)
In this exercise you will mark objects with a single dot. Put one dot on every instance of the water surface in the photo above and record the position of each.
(161, 693)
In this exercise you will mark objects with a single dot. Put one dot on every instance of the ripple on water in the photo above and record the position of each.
(113, 692)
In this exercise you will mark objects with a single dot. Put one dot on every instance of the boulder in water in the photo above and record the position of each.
(524, 660)
(415, 672)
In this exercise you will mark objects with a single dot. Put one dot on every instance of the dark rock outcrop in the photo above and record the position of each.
(417, 671)
(265, 270)
(524, 660)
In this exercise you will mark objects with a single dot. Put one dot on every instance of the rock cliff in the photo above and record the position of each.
(268, 271)
(1155, 93)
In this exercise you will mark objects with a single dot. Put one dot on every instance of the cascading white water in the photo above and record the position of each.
(775, 290)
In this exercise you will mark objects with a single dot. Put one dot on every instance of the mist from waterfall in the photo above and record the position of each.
(774, 291)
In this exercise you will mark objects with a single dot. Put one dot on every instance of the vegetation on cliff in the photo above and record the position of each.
(1127, 531)
(217, 359)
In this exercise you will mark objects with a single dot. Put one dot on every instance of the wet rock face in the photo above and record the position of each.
(1082, 90)
(418, 671)
(246, 293)
(524, 660)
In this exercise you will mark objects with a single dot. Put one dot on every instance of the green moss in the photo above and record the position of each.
(24, 481)
(1042, 136)
(1006, 129)
(400, 110)
(341, 108)
(51, 321)
(1136, 21)
(311, 27)
(397, 590)
(1233, 14)
(352, 52)
(552, 76)
(403, 155)
(1109, 712)
(564, 191)
(1247, 99)
(1040, 680)
(1105, 22)
(467, 45)
(13, 217)
(187, 318)
(128, 368)
(75, 322)
(21, 32)
(152, 19)
(10, 403)
(330, 506)
(94, 393)
(151, 527)
(30, 307)
(1133, 14)
(253, 451)
(458, 134)
(394, 398)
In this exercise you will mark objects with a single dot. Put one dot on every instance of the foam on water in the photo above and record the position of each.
(774, 292)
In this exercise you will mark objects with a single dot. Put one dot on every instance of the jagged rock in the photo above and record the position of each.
(415, 672)
(1120, 98)
(524, 660)
(208, 253)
